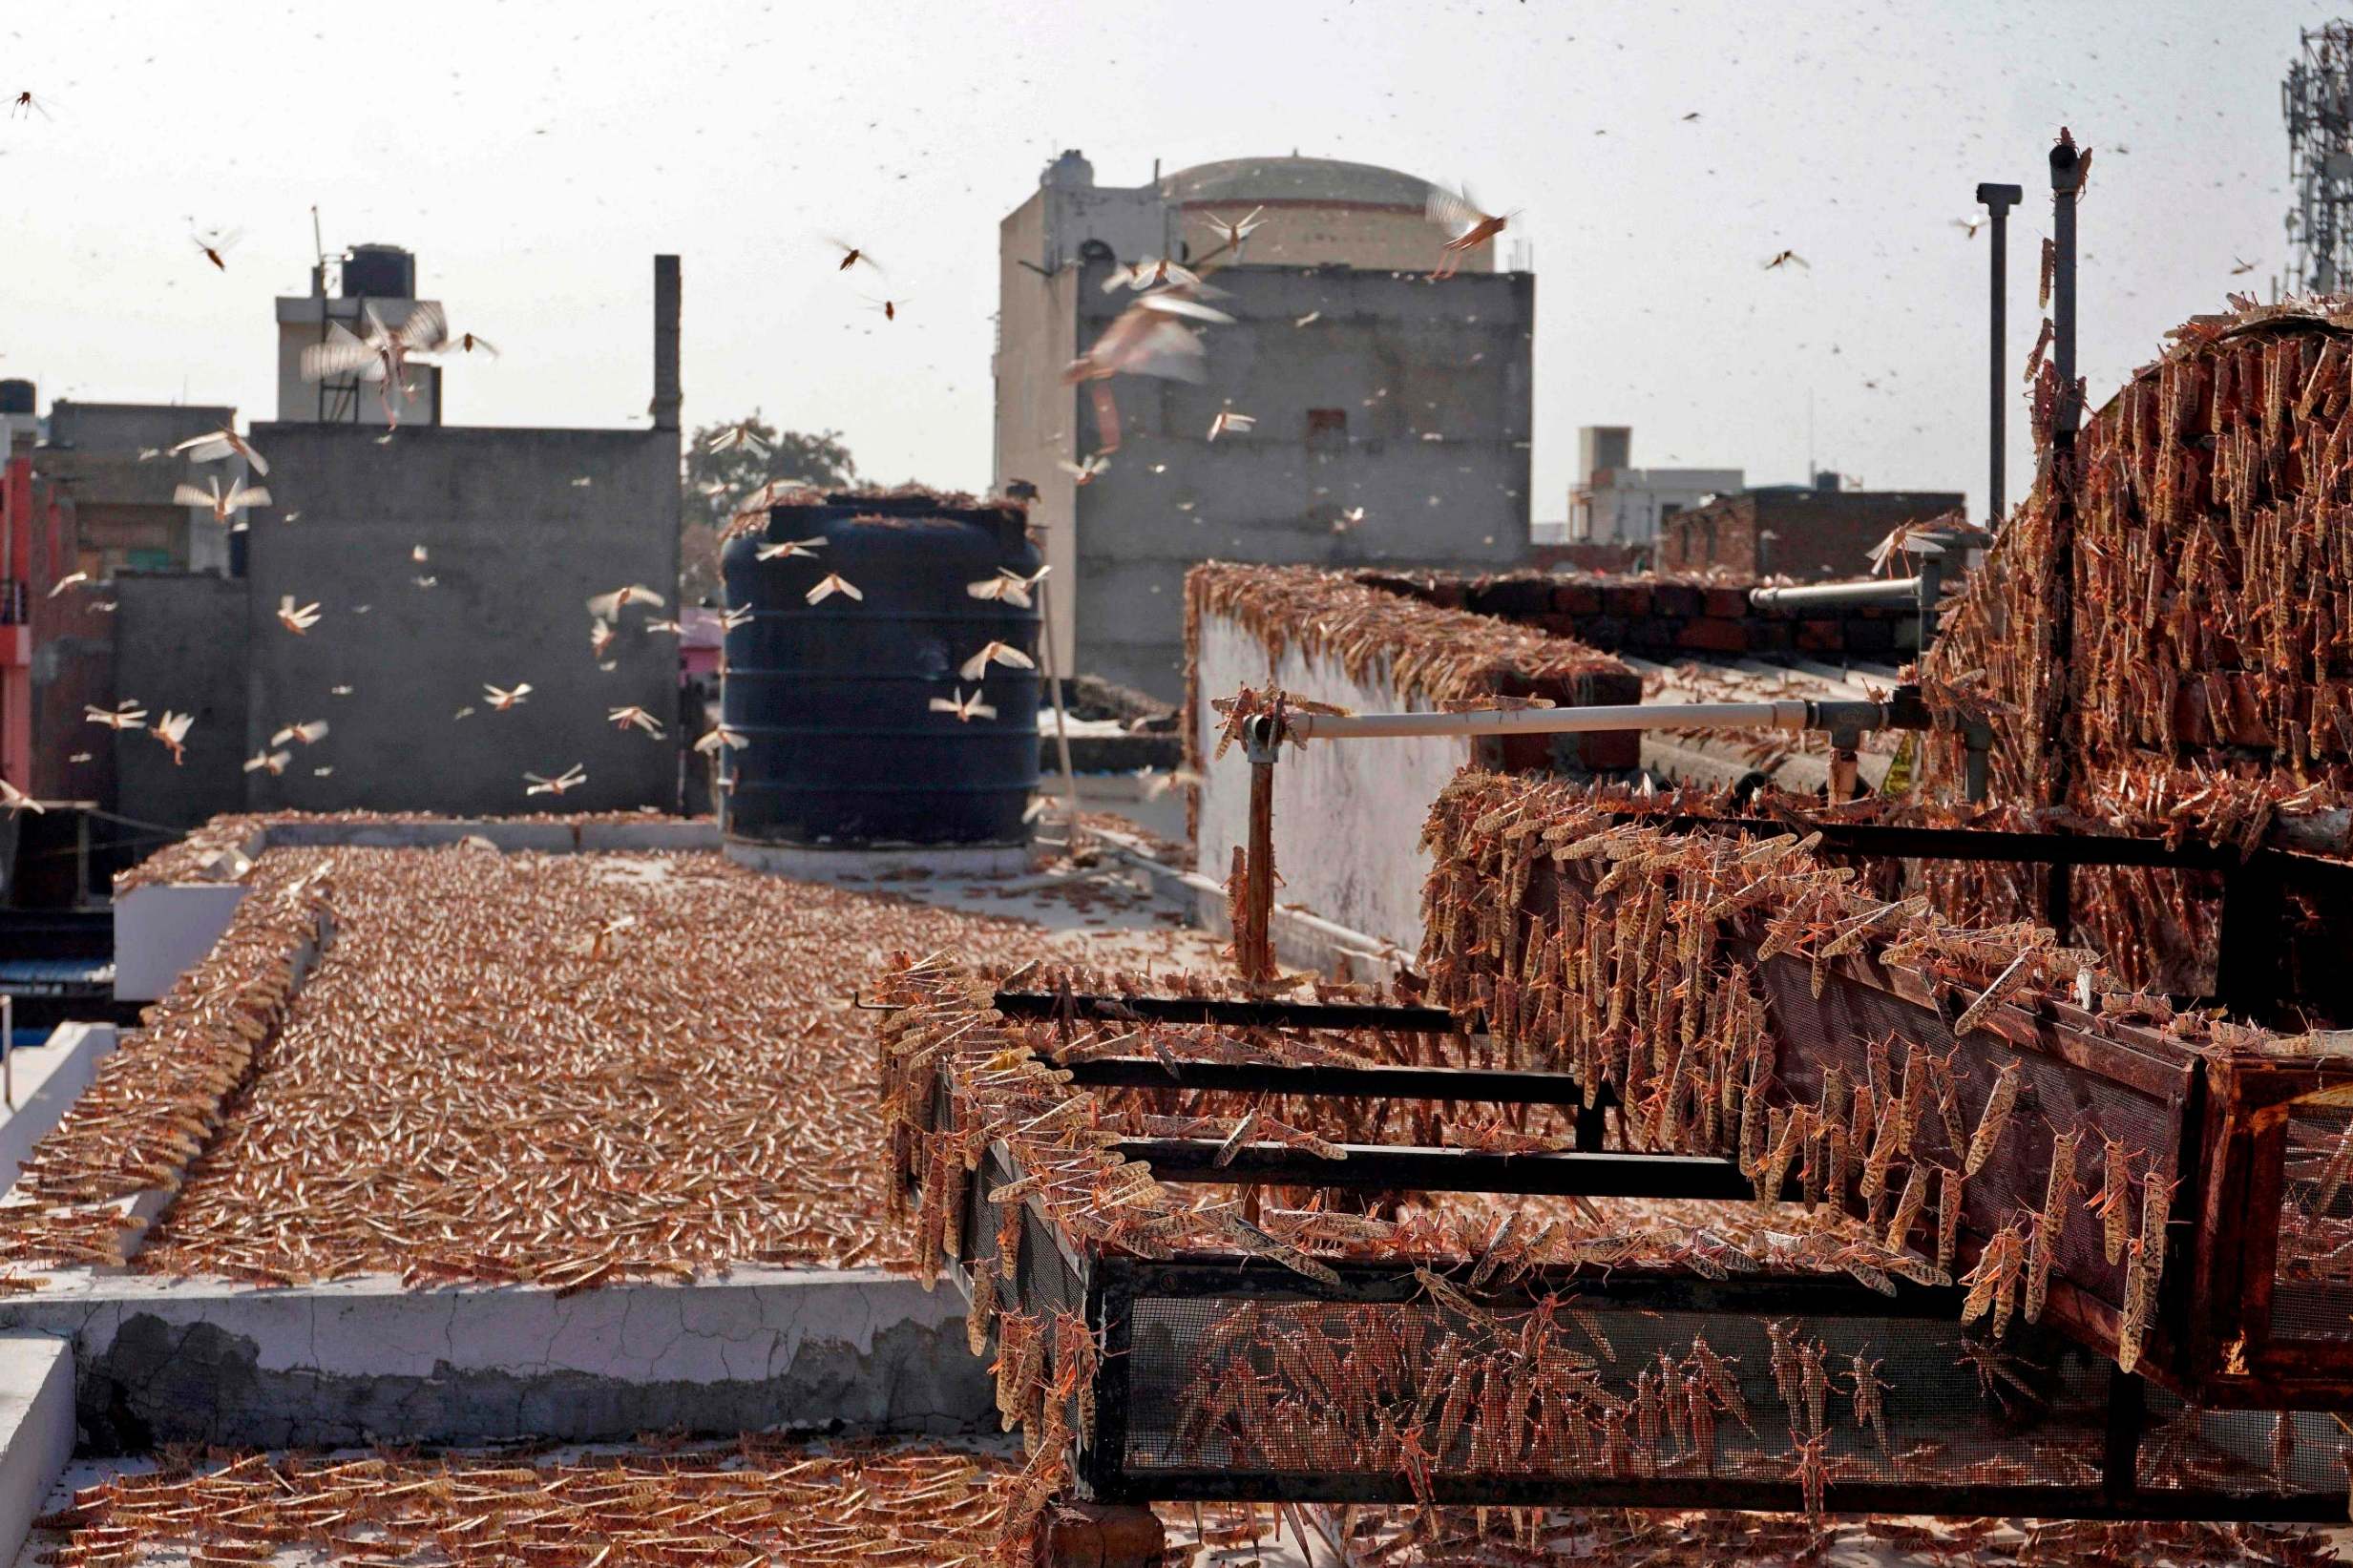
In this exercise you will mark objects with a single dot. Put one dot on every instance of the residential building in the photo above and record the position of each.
(1811, 532)
(1391, 416)
(517, 529)
(1617, 504)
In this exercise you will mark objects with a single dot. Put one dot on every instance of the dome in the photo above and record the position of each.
(1247, 181)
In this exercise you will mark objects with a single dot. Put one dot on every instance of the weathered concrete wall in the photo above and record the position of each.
(521, 527)
(363, 1361)
(1430, 385)
(1347, 815)
(180, 643)
(36, 1430)
(1036, 412)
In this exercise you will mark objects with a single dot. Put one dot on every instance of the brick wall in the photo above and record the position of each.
(1664, 619)
(1817, 535)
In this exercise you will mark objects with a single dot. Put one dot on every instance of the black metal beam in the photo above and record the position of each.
(1464, 1084)
(1954, 1499)
(2252, 942)
(1855, 838)
(1234, 1013)
(1594, 1174)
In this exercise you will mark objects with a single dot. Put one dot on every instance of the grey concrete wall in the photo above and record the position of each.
(1347, 815)
(1434, 382)
(180, 643)
(516, 545)
(363, 1361)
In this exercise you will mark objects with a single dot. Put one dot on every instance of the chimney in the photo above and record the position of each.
(666, 397)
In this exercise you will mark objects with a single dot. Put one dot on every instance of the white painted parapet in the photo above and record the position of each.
(163, 929)
(1347, 818)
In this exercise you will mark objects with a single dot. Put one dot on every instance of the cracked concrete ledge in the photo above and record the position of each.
(361, 1360)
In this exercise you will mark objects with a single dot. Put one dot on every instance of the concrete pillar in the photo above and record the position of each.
(666, 394)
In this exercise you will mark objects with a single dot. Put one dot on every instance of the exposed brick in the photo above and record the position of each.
(1676, 599)
(1870, 636)
(1511, 598)
(1608, 632)
(1604, 688)
(1711, 634)
(1610, 750)
(1653, 633)
(1820, 637)
(1578, 598)
(1628, 599)
(1729, 603)
(1769, 637)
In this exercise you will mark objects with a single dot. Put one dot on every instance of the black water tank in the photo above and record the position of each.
(15, 397)
(834, 698)
(379, 272)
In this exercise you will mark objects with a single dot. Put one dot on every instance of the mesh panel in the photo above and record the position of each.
(1835, 1031)
(2241, 1453)
(1302, 1387)
(2312, 1291)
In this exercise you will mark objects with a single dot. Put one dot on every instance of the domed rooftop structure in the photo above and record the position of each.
(1249, 181)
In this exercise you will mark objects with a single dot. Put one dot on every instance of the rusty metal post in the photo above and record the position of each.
(1081, 1535)
(1253, 915)
(1999, 199)
(2065, 184)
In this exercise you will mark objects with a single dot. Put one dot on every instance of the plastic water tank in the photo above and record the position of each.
(383, 272)
(16, 397)
(834, 699)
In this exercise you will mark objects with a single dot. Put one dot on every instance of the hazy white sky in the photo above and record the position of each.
(536, 155)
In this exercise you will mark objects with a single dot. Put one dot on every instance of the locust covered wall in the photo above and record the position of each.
(520, 526)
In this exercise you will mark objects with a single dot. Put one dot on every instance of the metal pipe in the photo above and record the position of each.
(1871, 591)
(1359, 726)
(1072, 842)
(1998, 200)
(1931, 585)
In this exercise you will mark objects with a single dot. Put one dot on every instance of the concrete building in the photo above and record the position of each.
(115, 459)
(1370, 388)
(1616, 503)
(519, 528)
(1811, 533)
(377, 283)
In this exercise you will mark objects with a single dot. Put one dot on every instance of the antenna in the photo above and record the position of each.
(2316, 100)
(318, 266)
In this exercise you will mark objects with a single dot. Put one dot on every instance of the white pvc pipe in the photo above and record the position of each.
(1783, 715)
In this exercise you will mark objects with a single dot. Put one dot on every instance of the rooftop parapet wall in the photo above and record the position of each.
(1347, 830)
(1665, 616)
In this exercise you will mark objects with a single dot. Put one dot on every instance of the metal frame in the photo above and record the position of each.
(1115, 1284)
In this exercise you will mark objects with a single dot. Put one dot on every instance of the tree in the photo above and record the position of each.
(718, 482)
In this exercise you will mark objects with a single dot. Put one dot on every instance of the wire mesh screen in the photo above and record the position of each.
(1839, 1028)
(2312, 1289)
(2246, 1453)
(1414, 1396)
(1045, 1281)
